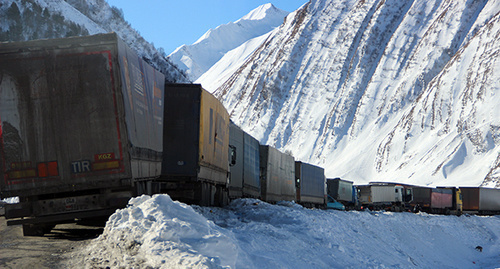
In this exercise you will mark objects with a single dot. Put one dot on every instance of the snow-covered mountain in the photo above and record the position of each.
(229, 63)
(375, 90)
(197, 58)
(37, 19)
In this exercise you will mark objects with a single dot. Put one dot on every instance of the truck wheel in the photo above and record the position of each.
(221, 196)
(36, 229)
(225, 198)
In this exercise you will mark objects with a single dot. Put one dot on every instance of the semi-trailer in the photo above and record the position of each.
(245, 177)
(195, 166)
(432, 200)
(310, 184)
(343, 191)
(81, 119)
(480, 200)
(381, 196)
(277, 175)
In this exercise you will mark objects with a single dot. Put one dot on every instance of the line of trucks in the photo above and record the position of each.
(86, 124)
(403, 197)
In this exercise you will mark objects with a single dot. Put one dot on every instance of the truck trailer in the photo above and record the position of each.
(432, 200)
(245, 177)
(277, 171)
(343, 191)
(81, 119)
(480, 200)
(381, 196)
(310, 184)
(236, 143)
(195, 165)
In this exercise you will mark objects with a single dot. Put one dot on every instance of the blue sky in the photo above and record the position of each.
(170, 24)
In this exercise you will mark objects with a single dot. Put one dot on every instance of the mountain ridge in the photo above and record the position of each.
(337, 78)
(197, 58)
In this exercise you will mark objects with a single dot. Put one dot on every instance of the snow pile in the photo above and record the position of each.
(197, 58)
(157, 232)
(11, 200)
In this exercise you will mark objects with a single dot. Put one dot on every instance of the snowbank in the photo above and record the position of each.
(158, 232)
(11, 200)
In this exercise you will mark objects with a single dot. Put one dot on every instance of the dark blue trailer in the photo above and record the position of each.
(236, 170)
(245, 178)
(310, 184)
(251, 167)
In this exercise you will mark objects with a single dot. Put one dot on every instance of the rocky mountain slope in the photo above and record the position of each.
(37, 19)
(197, 58)
(377, 90)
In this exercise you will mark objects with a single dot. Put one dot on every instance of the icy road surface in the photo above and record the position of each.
(161, 233)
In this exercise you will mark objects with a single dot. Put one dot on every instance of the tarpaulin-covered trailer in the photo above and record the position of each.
(481, 200)
(277, 175)
(434, 200)
(341, 190)
(81, 119)
(441, 198)
(381, 196)
(195, 163)
(251, 168)
(310, 184)
(236, 179)
(245, 178)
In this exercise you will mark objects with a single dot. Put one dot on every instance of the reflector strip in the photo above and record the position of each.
(106, 165)
(47, 169)
(22, 174)
(43, 170)
(53, 171)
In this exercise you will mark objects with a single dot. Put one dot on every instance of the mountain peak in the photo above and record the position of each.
(197, 58)
(262, 12)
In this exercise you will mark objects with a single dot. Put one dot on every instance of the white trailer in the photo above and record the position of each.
(383, 196)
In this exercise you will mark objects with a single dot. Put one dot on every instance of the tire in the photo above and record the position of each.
(36, 229)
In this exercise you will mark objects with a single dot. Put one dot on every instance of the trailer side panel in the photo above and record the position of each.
(441, 198)
(311, 183)
(236, 182)
(277, 175)
(340, 190)
(470, 198)
(251, 170)
(489, 200)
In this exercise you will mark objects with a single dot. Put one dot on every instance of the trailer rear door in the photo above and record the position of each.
(59, 119)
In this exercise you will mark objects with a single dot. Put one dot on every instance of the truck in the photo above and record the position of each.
(343, 191)
(432, 200)
(81, 119)
(480, 200)
(381, 196)
(277, 175)
(195, 164)
(310, 184)
(245, 177)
